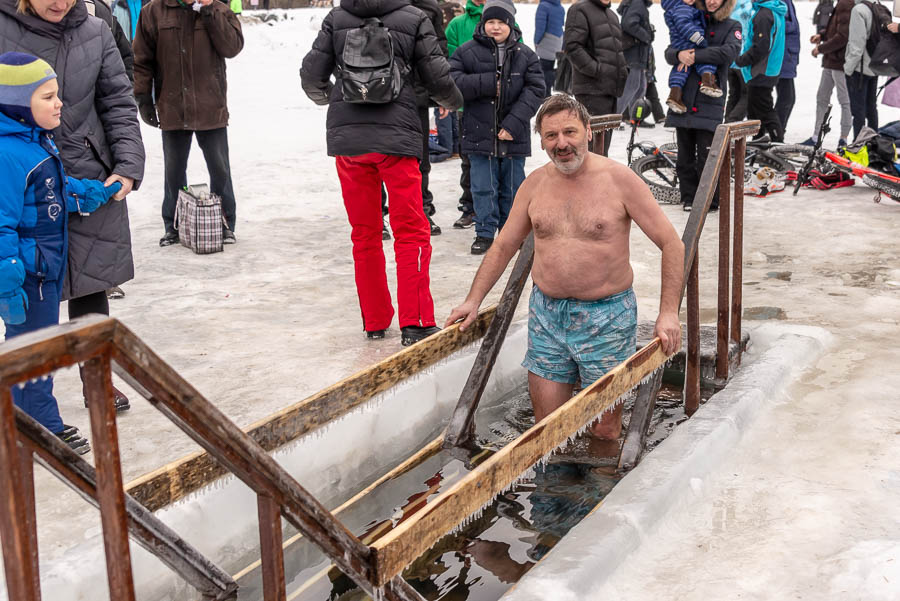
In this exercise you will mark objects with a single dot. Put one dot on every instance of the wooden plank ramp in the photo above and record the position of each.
(183, 476)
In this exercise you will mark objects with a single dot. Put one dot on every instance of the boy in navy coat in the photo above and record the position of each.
(502, 86)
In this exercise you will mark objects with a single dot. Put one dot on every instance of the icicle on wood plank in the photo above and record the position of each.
(181, 477)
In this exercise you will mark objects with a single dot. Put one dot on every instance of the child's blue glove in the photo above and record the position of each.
(13, 306)
(87, 195)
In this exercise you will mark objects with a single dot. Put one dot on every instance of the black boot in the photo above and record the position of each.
(412, 334)
(72, 437)
(122, 402)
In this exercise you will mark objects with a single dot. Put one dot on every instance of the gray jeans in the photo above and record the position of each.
(831, 79)
(635, 88)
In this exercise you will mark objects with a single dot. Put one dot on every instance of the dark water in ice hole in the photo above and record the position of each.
(484, 558)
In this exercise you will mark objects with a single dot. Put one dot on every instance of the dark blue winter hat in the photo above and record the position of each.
(20, 75)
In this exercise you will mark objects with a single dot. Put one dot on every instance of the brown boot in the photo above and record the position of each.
(674, 101)
(708, 85)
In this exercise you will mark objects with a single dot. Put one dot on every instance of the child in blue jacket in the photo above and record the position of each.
(687, 30)
(35, 199)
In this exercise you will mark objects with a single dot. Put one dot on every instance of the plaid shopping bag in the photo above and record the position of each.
(199, 220)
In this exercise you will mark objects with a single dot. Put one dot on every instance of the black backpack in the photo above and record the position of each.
(881, 18)
(370, 72)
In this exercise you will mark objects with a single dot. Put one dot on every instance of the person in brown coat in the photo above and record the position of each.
(831, 45)
(180, 87)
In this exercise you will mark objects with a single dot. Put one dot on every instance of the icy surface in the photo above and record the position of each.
(275, 318)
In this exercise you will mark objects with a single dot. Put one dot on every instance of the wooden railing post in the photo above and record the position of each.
(19, 546)
(26, 461)
(737, 278)
(692, 360)
(110, 491)
(271, 550)
(724, 255)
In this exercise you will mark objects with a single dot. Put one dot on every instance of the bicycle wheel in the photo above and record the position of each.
(795, 154)
(765, 158)
(883, 185)
(660, 177)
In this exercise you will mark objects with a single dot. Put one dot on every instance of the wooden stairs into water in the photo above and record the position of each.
(376, 564)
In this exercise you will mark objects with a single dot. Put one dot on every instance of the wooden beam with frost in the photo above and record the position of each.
(415, 536)
(183, 476)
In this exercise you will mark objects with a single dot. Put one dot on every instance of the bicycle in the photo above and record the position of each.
(657, 166)
(826, 161)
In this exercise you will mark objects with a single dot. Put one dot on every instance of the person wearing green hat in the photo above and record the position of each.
(35, 199)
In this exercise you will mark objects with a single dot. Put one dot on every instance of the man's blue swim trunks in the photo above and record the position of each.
(570, 338)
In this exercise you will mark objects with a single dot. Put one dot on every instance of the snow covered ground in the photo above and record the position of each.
(812, 502)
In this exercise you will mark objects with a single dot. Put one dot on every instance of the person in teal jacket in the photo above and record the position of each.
(35, 199)
(760, 64)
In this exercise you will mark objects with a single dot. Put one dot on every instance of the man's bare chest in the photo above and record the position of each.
(586, 214)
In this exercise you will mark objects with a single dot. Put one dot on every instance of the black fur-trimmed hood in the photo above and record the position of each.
(724, 11)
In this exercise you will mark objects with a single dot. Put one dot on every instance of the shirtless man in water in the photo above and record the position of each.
(582, 318)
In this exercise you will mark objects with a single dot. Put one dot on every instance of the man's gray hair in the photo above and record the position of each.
(559, 103)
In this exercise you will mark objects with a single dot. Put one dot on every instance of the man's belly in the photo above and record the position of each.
(580, 271)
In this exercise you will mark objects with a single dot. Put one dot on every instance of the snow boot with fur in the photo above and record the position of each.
(675, 102)
(709, 86)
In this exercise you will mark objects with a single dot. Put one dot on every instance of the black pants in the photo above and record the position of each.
(863, 90)
(655, 106)
(466, 206)
(92, 303)
(597, 104)
(425, 163)
(549, 69)
(736, 107)
(784, 101)
(693, 148)
(176, 149)
(760, 105)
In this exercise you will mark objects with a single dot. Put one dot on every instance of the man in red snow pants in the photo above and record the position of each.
(382, 142)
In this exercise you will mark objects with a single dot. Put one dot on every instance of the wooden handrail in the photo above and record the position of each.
(716, 174)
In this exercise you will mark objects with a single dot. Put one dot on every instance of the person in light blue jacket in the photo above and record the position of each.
(35, 199)
(548, 38)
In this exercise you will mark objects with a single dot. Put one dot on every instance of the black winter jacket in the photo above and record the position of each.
(593, 43)
(723, 46)
(393, 128)
(474, 69)
(434, 13)
(636, 23)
